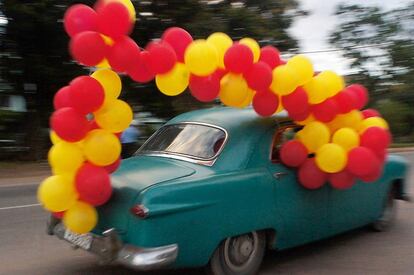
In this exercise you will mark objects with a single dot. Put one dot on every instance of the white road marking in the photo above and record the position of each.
(19, 206)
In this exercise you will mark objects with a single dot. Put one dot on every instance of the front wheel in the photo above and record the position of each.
(389, 213)
(241, 255)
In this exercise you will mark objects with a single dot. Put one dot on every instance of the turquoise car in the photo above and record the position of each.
(208, 188)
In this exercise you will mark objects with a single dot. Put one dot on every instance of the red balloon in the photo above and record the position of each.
(342, 180)
(259, 76)
(271, 56)
(93, 125)
(362, 162)
(293, 153)
(382, 156)
(179, 39)
(361, 93)
(58, 215)
(80, 18)
(300, 116)
(238, 58)
(113, 167)
(62, 98)
(87, 94)
(346, 101)
(206, 88)
(119, 55)
(367, 113)
(88, 48)
(69, 124)
(374, 176)
(296, 102)
(220, 73)
(265, 103)
(325, 111)
(162, 57)
(140, 70)
(93, 184)
(376, 139)
(310, 176)
(114, 20)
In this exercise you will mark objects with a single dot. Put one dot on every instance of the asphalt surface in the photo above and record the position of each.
(26, 249)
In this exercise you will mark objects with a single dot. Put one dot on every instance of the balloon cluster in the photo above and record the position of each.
(88, 117)
(349, 147)
(338, 142)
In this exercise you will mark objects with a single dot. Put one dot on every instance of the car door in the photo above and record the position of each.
(304, 212)
(356, 206)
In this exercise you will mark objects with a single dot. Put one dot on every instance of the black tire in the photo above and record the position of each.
(239, 255)
(389, 213)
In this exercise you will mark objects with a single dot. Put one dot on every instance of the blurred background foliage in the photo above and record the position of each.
(34, 59)
(380, 45)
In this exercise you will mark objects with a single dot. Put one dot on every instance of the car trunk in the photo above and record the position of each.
(135, 175)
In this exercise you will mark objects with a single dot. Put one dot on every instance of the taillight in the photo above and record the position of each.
(139, 210)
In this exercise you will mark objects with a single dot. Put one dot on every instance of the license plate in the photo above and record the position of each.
(84, 241)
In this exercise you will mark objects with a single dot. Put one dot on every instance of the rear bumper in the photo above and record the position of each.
(109, 248)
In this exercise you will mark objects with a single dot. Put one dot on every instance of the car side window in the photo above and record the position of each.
(282, 135)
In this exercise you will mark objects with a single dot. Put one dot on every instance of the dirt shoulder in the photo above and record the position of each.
(23, 172)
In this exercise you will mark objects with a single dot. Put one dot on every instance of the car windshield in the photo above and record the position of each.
(193, 140)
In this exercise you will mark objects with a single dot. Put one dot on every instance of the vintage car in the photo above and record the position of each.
(208, 189)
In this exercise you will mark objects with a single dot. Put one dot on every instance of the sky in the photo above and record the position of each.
(312, 31)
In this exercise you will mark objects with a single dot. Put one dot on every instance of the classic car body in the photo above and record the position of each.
(187, 205)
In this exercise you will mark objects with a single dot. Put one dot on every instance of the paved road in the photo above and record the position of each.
(26, 249)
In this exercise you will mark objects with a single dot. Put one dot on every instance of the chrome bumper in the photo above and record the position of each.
(110, 248)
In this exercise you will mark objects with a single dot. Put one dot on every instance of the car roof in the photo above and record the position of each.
(229, 118)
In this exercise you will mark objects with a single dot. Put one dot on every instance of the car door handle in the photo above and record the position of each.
(279, 175)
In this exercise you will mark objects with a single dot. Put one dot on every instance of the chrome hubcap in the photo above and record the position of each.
(239, 251)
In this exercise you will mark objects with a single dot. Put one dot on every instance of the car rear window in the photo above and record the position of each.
(194, 140)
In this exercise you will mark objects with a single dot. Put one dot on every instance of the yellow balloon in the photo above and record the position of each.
(57, 193)
(347, 138)
(108, 41)
(201, 58)
(65, 157)
(233, 90)
(101, 147)
(253, 45)
(284, 81)
(128, 4)
(54, 138)
(175, 81)
(280, 107)
(111, 82)
(334, 83)
(316, 90)
(303, 68)
(331, 158)
(104, 64)
(222, 42)
(314, 135)
(114, 117)
(248, 100)
(80, 218)
(373, 122)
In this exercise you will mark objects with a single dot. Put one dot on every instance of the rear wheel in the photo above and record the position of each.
(241, 255)
(389, 213)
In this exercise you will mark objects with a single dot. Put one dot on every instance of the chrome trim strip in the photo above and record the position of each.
(192, 159)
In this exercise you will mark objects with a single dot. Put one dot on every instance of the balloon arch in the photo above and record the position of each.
(346, 143)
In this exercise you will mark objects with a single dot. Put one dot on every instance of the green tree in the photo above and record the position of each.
(380, 46)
